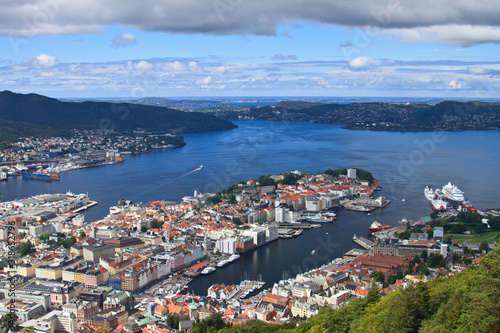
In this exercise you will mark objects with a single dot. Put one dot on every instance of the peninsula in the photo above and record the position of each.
(444, 116)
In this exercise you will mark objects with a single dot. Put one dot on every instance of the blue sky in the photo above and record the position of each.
(92, 48)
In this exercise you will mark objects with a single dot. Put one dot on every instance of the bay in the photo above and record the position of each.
(404, 163)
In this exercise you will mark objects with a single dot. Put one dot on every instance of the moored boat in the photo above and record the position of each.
(376, 226)
(208, 270)
(452, 192)
(429, 193)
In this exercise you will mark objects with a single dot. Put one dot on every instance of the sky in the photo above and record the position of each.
(187, 48)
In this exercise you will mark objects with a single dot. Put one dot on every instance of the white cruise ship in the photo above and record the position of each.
(429, 193)
(453, 193)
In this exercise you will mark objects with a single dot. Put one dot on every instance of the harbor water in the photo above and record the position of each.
(403, 162)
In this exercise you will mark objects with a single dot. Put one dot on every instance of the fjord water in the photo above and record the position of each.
(404, 163)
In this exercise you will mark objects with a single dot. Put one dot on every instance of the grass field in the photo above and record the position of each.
(487, 236)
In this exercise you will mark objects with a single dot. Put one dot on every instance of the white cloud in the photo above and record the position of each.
(280, 56)
(123, 40)
(455, 85)
(478, 21)
(143, 65)
(44, 60)
(204, 81)
(363, 63)
(481, 71)
(450, 34)
(362, 77)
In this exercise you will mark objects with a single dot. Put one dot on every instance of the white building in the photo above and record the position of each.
(351, 173)
(226, 245)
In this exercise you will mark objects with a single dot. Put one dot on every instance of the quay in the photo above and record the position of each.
(363, 242)
(387, 234)
(87, 206)
(298, 225)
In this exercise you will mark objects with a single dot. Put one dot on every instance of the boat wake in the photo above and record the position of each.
(190, 172)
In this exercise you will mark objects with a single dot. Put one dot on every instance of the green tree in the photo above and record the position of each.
(399, 275)
(26, 248)
(265, 181)
(9, 320)
(155, 224)
(391, 279)
(82, 234)
(484, 246)
(44, 237)
(378, 276)
(144, 229)
(232, 199)
(373, 295)
(436, 260)
(424, 256)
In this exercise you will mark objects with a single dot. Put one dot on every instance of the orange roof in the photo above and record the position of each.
(228, 312)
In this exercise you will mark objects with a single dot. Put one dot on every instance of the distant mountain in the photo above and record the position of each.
(448, 115)
(49, 112)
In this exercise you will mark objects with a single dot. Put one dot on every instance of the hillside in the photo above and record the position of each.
(448, 115)
(10, 131)
(50, 112)
(467, 302)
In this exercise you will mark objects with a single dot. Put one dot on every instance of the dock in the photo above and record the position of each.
(297, 225)
(363, 242)
(88, 205)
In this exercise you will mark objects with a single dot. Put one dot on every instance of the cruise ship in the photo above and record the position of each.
(452, 192)
(429, 193)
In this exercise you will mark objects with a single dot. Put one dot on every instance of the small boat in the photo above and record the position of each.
(208, 270)
(313, 251)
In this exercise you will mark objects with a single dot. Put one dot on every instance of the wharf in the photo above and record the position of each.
(363, 242)
(385, 234)
(298, 225)
(354, 253)
(88, 205)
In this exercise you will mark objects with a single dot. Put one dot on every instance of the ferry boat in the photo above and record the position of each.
(452, 192)
(319, 217)
(439, 205)
(208, 270)
(376, 226)
(429, 193)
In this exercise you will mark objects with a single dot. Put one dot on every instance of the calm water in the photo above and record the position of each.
(404, 162)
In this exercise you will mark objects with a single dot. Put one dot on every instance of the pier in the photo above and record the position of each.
(88, 205)
(298, 225)
(363, 242)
